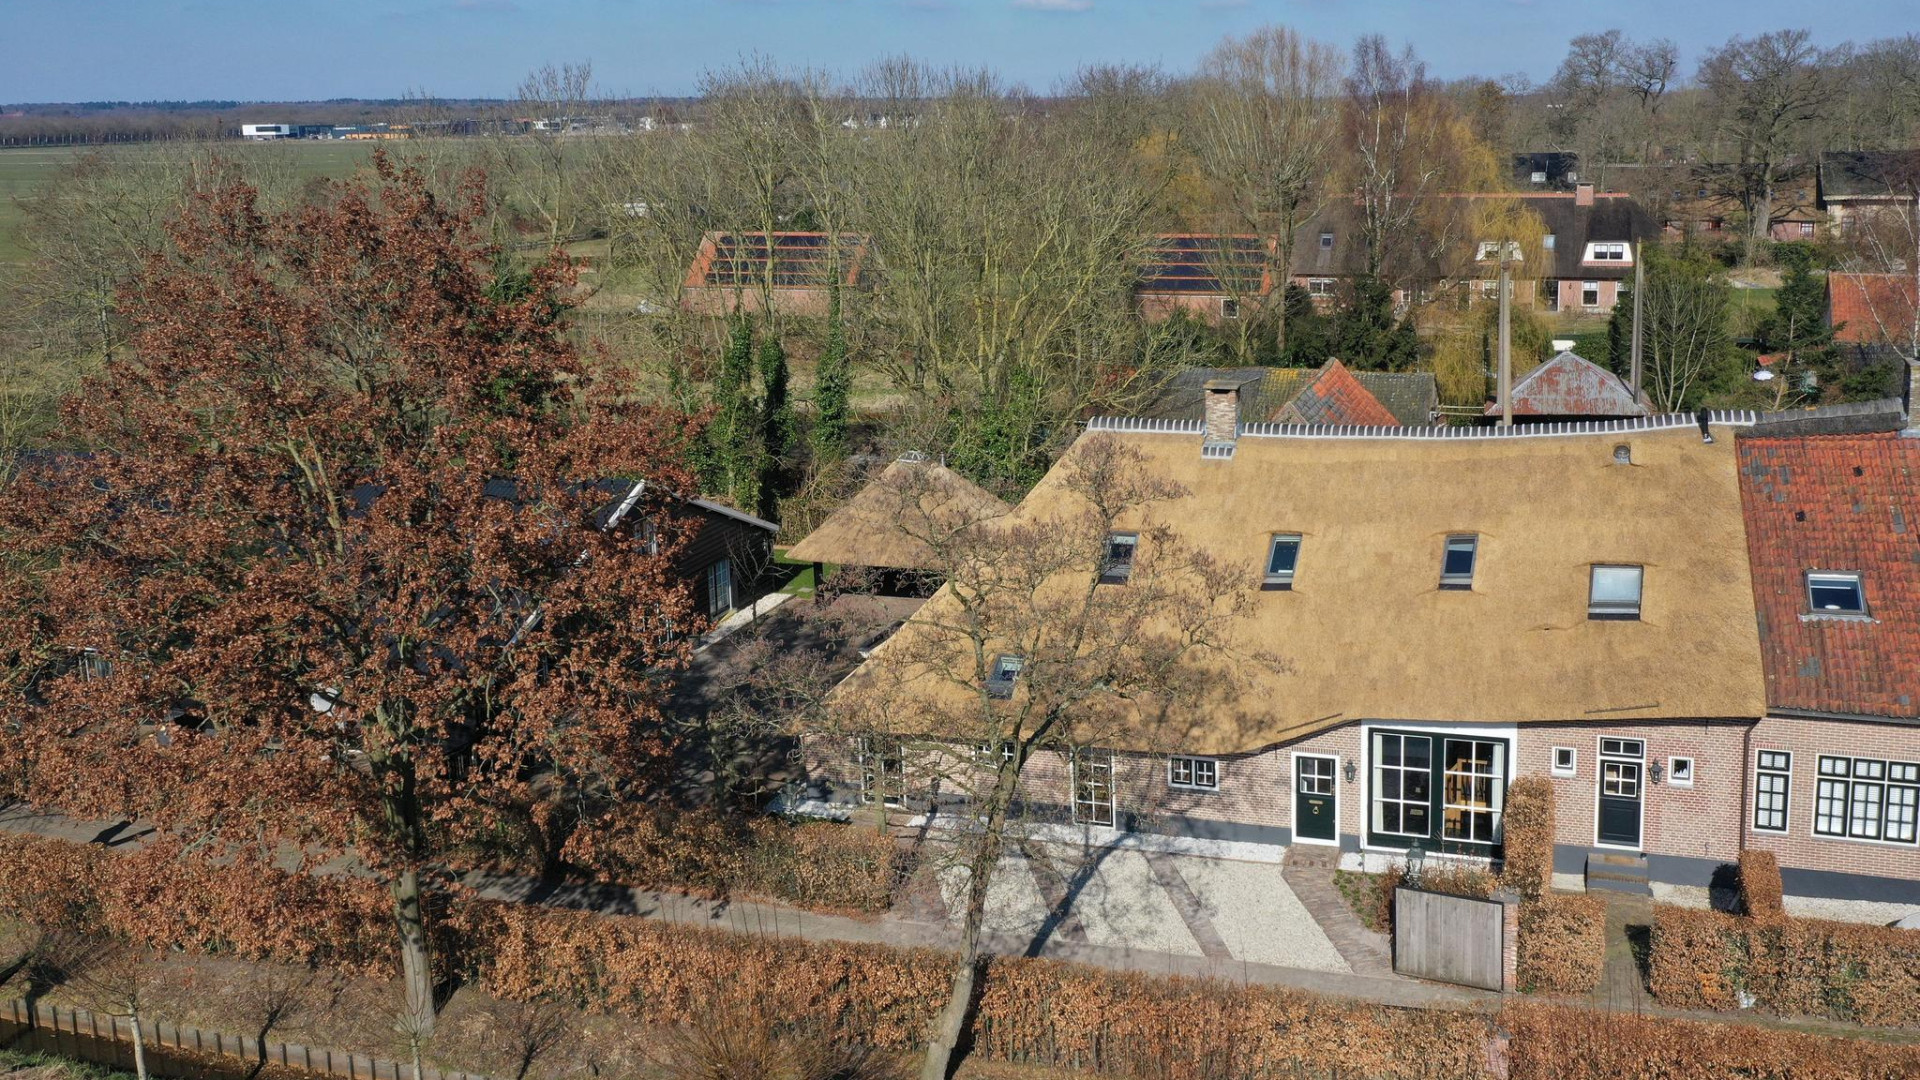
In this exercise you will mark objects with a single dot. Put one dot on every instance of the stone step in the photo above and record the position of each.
(1314, 856)
(1631, 888)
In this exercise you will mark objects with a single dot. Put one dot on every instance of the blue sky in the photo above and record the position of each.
(67, 50)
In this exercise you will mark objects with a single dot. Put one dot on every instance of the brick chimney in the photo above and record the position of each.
(1223, 411)
(1583, 194)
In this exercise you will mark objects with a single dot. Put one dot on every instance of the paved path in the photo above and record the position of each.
(1366, 951)
(1629, 922)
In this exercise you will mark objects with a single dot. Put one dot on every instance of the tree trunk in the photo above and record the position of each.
(139, 1049)
(416, 964)
(952, 1022)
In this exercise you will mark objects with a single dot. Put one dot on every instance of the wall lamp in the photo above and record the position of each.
(1351, 772)
(1656, 771)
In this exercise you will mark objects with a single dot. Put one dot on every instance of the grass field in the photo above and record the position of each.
(24, 169)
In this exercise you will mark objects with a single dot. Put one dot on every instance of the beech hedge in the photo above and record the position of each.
(1787, 966)
(1761, 894)
(1563, 944)
(1527, 822)
(1557, 1043)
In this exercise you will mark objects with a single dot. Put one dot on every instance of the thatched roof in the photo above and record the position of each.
(872, 528)
(1366, 632)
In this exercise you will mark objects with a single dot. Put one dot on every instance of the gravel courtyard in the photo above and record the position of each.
(1121, 898)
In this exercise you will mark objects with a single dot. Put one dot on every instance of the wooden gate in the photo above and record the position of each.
(1452, 939)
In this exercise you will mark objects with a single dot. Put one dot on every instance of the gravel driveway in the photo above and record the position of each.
(1111, 897)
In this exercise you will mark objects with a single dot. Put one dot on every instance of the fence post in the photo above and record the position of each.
(1509, 939)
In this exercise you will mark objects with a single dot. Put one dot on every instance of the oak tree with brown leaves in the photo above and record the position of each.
(351, 566)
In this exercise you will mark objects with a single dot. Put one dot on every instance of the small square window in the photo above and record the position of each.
(1456, 566)
(1320, 286)
(1836, 594)
(1590, 293)
(1623, 454)
(1565, 760)
(1680, 771)
(1547, 242)
(1539, 177)
(1229, 308)
(1283, 554)
(1326, 241)
(1116, 566)
(1192, 772)
(1614, 593)
(1003, 673)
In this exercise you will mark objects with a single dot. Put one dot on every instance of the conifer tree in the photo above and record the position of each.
(833, 383)
(734, 460)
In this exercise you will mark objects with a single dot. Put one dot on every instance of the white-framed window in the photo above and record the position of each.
(1538, 177)
(1321, 286)
(1490, 250)
(1613, 592)
(1473, 789)
(1229, 308)
(1772, 790)
(1680, 771)
(1193, 772)
(1283, 555)
(1608, 253)
(720, 588)
(1806, 228)
(1456, 564)
(985, 752)
(1590, 293)
(1867, 799)
(1546, 242)
(1623, 747)
(1092, 787)
(883, 770)
(1402, 784)
(1002, 673)
(1835, 592)
(1566, 761)
(1116, 564)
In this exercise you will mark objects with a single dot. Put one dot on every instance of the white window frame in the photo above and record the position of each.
(1282, 579)
(1783, 770)
(1571, 768)
(1322, 286)
(1590, 294)
(1616, 610)
(1496, 780)
(1088, 811)
(1229, 308)
(1375, 797)
(1489, 251)
(1468, 542)
(1673, 770)
(1547, 242)
(1114, 571)
(875, 776)
(1610, 252)
(1202, 773)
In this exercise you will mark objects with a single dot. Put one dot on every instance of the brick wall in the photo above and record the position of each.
(1806, 740)
(1701, 822)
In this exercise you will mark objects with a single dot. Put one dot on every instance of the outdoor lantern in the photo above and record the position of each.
(1416, 855)
(1351, 771)
(1655, 771)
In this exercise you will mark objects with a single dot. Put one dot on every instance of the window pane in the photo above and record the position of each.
(1283, 557)
(1459, 558)
(1835, 592)
(1830, 808)
(1616, 585)
(1419, 752)
(1901, 806)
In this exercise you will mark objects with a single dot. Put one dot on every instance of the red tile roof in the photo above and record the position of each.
(1336, 397)
(1836, 502)
(1873, 307)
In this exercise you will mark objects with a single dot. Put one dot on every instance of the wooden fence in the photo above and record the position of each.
(1452, 939)
(108, 1040)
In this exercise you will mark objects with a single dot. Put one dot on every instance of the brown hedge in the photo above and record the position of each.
(1563, 944)
(1556, 1043)
(1527, 822)
(1792, 967)
(1761, 895)
(822, 865)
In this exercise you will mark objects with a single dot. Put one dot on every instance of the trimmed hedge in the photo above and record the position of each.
(821, 864)
(1528, 825)
(1563, 944)
(1557, 1043)
(1788, 966)
(1761, 894)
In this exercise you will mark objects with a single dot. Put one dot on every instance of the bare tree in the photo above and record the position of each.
(554, 101)
(1766, 92)
(1264, 119)
(1026, 652)
(116, 978)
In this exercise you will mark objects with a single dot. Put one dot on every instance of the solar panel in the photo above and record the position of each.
(796, 260)
(1206, 264)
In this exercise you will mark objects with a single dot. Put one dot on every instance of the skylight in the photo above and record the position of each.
(1836, 593)
(1456, 566)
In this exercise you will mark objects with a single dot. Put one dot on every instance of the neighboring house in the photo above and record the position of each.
(893, 523)
(1708, 205)
(1853, 183)
(1835, 764)
(1874, 309)
(1455, 608)
(1336, 397)
(793, 271)
(1411, 397)
(1205, 275)
(1589, 247)
(1570, 387)
(1549, 171)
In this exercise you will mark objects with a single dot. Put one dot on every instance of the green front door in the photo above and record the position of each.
(1313, 799)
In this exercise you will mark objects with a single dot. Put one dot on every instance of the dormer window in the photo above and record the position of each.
(1283, 554)
(1116, 566)
(1456, 566)
(1326, 241)
(1002, 675)
(1608, 253)
(1836, 593)
(1490, 250)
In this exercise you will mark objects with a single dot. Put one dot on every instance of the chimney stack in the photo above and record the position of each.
(1907, 396)
(1223, 412)
(1583, 194)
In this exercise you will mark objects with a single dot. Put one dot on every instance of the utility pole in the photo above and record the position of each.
(1639, 300)
(1506, 340)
